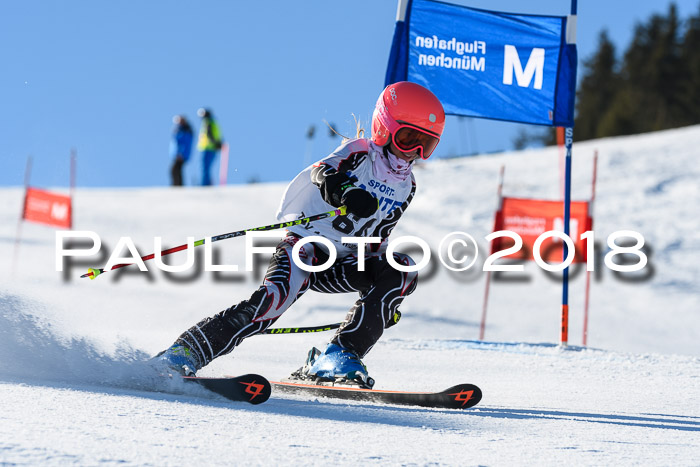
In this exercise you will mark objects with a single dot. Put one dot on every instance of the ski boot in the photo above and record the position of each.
(179, 359)
(336, 366)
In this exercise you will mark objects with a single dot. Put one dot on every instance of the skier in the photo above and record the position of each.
(373, 179)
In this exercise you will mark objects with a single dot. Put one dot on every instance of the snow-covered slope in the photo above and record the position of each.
(72, 388)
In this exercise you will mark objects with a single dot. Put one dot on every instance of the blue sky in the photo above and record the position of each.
(106, 78)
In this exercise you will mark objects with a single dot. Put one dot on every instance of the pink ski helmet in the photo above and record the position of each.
(410, 116)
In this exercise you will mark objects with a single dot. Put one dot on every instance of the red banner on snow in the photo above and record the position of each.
(530, 218)
(47, 208)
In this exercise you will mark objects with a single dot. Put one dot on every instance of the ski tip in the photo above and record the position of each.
(257, 388)
(463, 396)
(252, 388)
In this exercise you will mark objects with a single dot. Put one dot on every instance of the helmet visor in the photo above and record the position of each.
(409, 138)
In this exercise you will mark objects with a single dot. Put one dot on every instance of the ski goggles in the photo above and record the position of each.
(409, 138)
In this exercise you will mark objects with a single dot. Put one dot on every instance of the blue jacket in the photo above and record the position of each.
(181, 144)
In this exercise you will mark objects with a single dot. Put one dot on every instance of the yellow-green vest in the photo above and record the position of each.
(209, 136)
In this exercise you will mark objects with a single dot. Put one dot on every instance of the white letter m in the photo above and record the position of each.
(535, 66)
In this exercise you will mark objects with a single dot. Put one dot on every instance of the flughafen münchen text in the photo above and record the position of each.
(470, 55)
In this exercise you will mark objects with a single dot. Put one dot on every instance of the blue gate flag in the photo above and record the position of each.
(488, 64)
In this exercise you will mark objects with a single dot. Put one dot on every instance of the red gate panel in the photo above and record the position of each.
(530, 218)
(47, 208)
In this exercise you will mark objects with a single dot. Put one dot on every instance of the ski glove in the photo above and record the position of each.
(360, 202)
(339, 189)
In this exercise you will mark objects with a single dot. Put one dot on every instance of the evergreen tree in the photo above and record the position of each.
(690, 57)
(597, 88)
(652, 97)
(668, 73)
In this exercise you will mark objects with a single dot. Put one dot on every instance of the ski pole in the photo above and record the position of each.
(325, 327)
(341, 211)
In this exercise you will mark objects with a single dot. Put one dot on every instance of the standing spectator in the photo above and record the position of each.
(180, 147)
(209, 143)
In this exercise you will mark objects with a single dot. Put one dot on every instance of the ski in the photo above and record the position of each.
(251, 388)
(461, 396)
